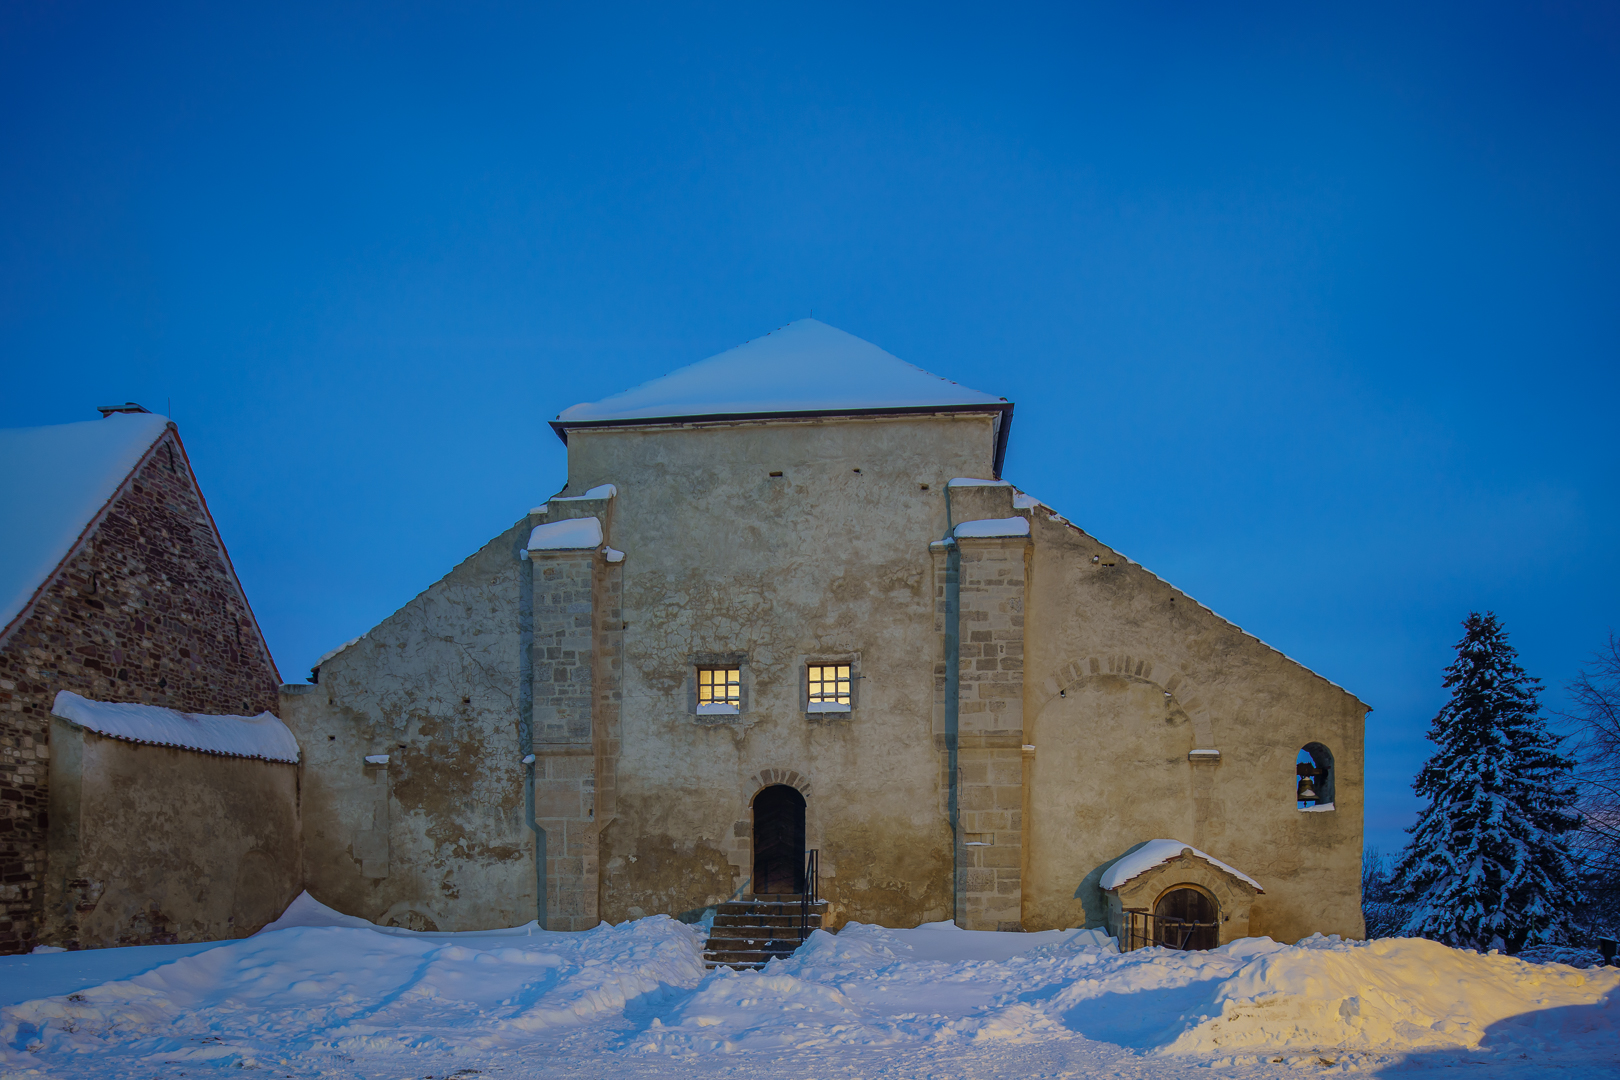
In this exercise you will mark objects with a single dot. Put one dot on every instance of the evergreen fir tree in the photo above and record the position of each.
(1488, 865)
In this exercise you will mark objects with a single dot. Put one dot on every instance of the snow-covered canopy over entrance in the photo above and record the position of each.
(805, 367)
(1157, 853)
(53, 482)
(261, 736)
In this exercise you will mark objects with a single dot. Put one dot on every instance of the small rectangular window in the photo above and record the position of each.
(719, 689)
(828, 686)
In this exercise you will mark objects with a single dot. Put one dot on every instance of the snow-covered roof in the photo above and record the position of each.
(261, 736)
(803, 367)
(54, 481)
(1157, 853)
(992, 527)
(571, 534)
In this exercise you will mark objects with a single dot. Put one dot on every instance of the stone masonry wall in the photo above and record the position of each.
(991, 732)
(565, 752)
(146, 610)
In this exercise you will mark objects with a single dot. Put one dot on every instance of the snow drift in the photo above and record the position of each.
(317, 984)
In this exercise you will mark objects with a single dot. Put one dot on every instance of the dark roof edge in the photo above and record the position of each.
(1005, 408)
(1003, 430)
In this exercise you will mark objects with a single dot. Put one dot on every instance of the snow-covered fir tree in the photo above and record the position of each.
(1489, 865)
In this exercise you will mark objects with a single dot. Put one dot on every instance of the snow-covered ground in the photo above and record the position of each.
(326, 995)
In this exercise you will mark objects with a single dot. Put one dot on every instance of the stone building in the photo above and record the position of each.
(786, 603)
(115, 586)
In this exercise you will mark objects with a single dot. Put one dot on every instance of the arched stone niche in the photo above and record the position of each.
(1178, 698)
(1233, 895)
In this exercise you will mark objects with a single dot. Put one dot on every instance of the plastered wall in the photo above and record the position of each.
(1128, 676)
(828, 561)
(155, 845)
(434, 838)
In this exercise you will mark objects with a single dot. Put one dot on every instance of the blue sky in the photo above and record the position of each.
(1312, 312)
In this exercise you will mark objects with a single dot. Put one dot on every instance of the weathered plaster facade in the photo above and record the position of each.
(145, 608)
(433, 837)
(153, 844)
(1087, 706)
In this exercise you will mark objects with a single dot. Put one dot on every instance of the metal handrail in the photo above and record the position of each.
(1157, 930)
(811, 888)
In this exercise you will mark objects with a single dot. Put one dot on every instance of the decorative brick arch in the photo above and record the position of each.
(771, 777)
(1134, 668)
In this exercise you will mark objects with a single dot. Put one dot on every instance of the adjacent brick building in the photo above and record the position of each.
(115, 584)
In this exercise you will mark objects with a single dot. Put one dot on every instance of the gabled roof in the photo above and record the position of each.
(803, 369)
(54, 482)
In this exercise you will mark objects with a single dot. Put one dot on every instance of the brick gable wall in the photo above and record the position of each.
(147, 610)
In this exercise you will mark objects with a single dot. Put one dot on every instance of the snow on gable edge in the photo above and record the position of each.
(333, 652)
(420, 595)
(1023, 500)
(1156, 853)
(263, 737)
(600, 491)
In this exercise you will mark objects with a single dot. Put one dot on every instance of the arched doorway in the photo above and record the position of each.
(1186, 918)
(778, 840)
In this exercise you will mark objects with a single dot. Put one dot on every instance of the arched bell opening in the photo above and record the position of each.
(1313, 771)
(1187, 917)
(778, 840)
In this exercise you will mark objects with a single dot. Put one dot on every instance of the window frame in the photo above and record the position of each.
(728, 705)
(847, 678)
(834, 710)
(711, 712)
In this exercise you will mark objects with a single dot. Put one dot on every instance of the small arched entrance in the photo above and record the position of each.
(1187, 918)
(778, 840)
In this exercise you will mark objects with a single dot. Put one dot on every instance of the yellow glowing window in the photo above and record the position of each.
(829, 684)
(720, 686)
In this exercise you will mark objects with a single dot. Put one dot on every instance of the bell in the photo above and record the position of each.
(1307, 793)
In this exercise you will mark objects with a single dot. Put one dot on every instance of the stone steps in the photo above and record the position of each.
(750, 932)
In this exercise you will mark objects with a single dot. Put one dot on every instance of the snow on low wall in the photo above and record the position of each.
(261, 736)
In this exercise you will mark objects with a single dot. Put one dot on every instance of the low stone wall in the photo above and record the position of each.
(154, 845)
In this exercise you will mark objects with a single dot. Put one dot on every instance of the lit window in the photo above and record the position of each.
(829, 687)
(719, 689)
